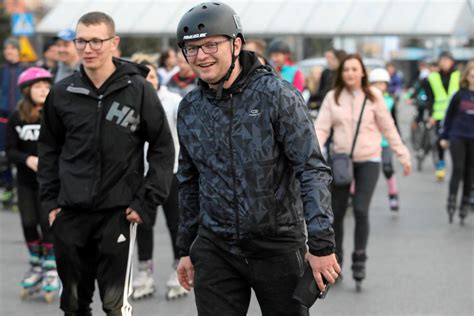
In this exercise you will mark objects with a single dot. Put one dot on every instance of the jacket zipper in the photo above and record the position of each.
(232, 163)
(99, 119)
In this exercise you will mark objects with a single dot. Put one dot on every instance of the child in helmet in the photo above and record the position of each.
(21, 148)
(380, 79)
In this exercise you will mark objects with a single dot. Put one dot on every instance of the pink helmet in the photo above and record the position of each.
(32, 75)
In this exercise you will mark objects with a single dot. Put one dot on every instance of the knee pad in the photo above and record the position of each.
(387, 170)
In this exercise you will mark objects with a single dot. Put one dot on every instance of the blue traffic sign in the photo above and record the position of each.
(23, 24)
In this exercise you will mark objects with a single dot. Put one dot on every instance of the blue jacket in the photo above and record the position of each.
(459, 120)
(9, 92)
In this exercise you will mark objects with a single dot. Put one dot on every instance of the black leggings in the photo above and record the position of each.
(387, 164)
(439, 127)
(145, 232)
(32, 216)
(365, 176)
(462, 155)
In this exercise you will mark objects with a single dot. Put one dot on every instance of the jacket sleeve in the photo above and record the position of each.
(450, 113)
(387, 126)
(160, 156)
(295, 133)
(50, 144)
(188, 177)
(14, 154)
(323, 123)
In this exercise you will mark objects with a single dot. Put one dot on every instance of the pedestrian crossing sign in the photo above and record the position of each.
(23, 24)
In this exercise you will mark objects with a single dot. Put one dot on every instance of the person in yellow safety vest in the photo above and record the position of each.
(440, 87)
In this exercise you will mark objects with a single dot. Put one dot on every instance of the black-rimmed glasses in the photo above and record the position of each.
(95, 43)
(207, 48)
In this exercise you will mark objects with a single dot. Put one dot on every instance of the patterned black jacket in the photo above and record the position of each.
(251, 171)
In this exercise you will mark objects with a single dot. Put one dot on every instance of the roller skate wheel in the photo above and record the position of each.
(140, 293)
(24, 293)
(175, 293)
(27, 292)
(49, 297)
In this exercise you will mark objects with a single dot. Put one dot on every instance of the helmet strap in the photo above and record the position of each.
(226, 77)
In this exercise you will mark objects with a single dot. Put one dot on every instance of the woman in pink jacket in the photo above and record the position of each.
(340, 111)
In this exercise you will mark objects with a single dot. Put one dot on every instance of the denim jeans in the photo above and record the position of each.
(223, 281)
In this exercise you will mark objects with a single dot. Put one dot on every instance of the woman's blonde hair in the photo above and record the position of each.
(469, 66)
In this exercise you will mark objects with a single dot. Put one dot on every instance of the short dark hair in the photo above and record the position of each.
(96, 17)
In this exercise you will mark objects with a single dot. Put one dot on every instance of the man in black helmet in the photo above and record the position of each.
(252, 177)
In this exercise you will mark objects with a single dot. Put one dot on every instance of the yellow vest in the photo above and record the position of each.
(441, 96)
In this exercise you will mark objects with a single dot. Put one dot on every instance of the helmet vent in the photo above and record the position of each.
(204, 7)
(186, 29)
(201, 26)
(217, 3)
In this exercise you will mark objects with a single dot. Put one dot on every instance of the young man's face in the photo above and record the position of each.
(51, 53)
(66, 51)
(94, 55)
(332, 60)
(445, 64)
(11, 53)
(212, 66)
(278, 59)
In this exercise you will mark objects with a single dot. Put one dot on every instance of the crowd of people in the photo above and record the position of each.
(218, 133)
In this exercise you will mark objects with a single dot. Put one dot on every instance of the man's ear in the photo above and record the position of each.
(237, 46)
(116, 41)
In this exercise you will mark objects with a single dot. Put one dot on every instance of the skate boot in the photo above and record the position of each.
(463, 209)
(393, 202)
(31, 283)
(144, 285)
(51, 284)
(175, 290)
(358, 268)
(451, 207)
(440, 170)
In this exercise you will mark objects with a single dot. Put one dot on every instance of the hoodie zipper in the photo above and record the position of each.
(232, 163)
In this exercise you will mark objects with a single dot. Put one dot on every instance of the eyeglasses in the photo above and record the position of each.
(95, 43)
(207, 48)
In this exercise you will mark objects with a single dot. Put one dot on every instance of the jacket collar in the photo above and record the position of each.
(121, 78)
(251, 70)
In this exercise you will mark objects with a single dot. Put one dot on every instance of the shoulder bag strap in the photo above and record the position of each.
(358, 126)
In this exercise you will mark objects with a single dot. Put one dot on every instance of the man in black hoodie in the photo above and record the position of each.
(94, 126)
(252, 177)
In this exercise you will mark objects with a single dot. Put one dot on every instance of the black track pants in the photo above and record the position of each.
(90, 246)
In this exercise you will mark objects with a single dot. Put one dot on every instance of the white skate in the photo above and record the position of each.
(50, 285)
(175, 290)
(143, 285)
(31, 283)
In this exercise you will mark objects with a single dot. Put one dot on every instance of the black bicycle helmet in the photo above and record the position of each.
(279, 46)
(209, 19)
